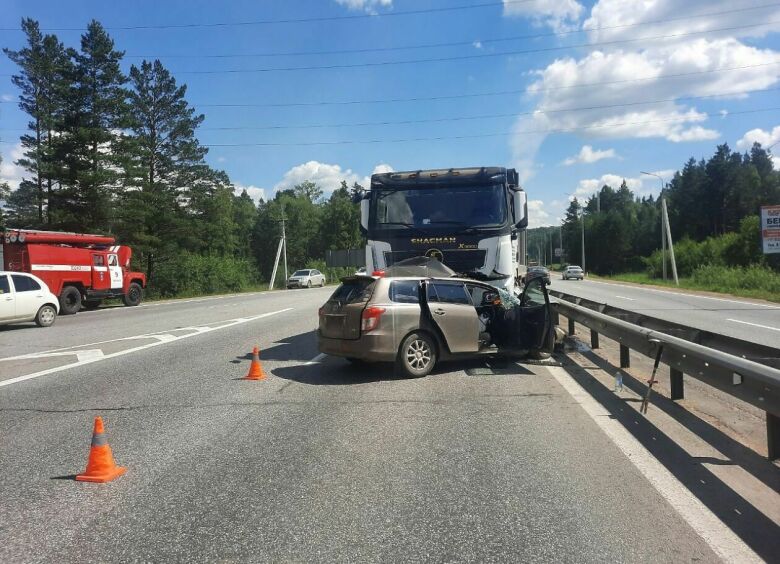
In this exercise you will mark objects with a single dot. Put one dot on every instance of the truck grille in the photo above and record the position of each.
(459, 260)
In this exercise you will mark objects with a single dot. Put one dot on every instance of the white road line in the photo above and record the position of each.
(723, 541)
(755, 324)
(156, 343)
(625, 298)
(644, 289)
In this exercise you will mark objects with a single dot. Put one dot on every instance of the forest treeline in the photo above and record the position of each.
(713, 209)
(114, 152)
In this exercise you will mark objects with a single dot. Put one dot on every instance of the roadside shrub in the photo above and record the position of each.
(189, 274)
(733, 279)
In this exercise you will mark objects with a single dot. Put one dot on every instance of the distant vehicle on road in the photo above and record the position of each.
(361, 271)
(80, 269)
(537, 272)
(415, 321)
(573, 272)
(306, 279)
(24, 297)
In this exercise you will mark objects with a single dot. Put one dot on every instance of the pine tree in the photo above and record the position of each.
(96, 112)
(43, 81)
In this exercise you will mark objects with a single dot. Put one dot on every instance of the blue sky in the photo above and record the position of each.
(577, 85)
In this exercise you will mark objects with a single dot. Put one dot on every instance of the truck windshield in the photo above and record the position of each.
(466, 206)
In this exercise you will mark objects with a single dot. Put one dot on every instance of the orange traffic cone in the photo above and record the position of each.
(255, 370)
(100, 466)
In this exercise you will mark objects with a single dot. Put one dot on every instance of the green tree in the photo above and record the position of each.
(341, 221)
(43, 81)
(97, 111)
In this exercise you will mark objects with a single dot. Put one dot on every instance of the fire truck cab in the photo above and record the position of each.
(79, 269)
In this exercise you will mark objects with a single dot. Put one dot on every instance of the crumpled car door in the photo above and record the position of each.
(448, 306)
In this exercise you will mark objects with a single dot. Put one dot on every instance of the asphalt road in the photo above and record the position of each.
(320, 462)
(752, 320)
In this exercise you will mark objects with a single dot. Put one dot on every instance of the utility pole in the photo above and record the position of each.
(282, 247)
(666, 232)
(582, 216)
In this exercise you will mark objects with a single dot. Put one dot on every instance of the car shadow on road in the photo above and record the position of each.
(756, 529)
(338, 372)
(296, 347)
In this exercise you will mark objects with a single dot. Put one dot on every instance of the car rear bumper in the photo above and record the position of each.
(368, 347)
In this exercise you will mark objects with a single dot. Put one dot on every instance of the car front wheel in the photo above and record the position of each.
(416, 356)
(46, 316)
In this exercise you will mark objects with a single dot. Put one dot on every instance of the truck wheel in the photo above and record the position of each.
(133, 295)
(416, 356)
(92, 304)
(46, 316)
(70, 300)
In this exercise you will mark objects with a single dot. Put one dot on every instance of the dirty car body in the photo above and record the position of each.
(416, 321)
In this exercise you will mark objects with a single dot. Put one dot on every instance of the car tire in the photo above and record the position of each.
(46, 316)
(92, 304)
(134, 295)
(416, 356)
(70, 300)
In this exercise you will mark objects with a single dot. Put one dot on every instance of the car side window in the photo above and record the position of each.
(452, 294)
(112, 261)
(534, 294)
(477, 294)
(97, 260)
(5, 286)
(405, 292)
(24, 284)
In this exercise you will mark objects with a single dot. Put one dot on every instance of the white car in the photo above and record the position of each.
(574, 272)
(24, 297)
(306, 279)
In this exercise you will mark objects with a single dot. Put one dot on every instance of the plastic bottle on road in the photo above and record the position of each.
(618, 382)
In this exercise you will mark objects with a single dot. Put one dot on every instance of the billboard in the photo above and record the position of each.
(770, 229)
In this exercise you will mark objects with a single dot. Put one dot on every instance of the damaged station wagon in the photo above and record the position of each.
(417, 320)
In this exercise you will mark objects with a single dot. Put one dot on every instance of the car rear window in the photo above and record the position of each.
(405, 291)
(352, 291)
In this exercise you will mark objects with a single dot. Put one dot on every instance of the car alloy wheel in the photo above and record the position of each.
(418, 355)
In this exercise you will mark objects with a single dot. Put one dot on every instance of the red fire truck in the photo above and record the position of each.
(81, 269)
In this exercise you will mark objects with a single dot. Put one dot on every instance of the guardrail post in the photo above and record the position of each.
(625, 359)
(676, 384)
(772, 436)
(571, 327)
(594, 339)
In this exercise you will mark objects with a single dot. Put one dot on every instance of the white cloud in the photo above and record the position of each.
(604, 79)
(589, 186)
(766, 138)
(369, 6)
(253, 191)
(537, 216)
(477, 44)
(327, 176)
(6, 97)
(9, 172)
(618, 14)
(588, 155)
(560, 15)
(221, 159)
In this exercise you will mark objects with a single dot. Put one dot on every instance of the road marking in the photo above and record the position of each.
(645, 289)
(625, 298)
(94, 358)
(755, 324)
(723, 541)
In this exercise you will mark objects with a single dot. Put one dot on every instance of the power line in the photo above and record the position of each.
(295, 20)
(480, 136)
(475, 95)
(452, 44)
(468, 118)
(473, 56)
(483, 135)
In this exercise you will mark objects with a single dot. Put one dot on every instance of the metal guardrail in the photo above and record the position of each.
(753, 382)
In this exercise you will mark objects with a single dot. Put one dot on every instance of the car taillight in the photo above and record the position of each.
(378, 273)
(369, 320)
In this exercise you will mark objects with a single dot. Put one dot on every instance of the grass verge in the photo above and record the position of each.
(750, 282)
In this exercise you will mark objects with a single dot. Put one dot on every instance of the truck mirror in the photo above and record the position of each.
(520, 208)
(364, 206)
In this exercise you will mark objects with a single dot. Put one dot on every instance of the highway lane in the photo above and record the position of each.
(321, 462)
(751, 320)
